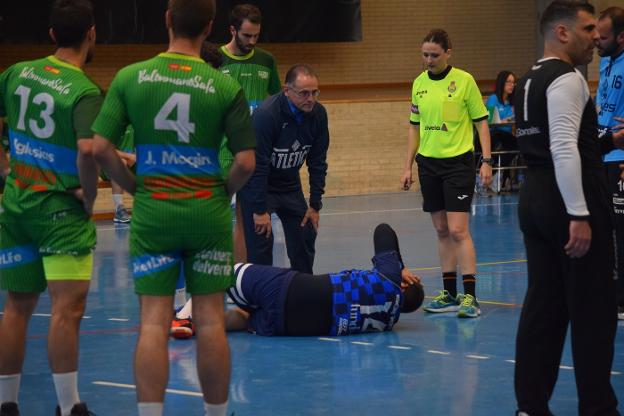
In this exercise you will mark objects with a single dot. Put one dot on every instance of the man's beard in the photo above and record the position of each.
(245, 49)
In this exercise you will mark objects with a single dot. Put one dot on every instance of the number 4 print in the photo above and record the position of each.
(181, 104)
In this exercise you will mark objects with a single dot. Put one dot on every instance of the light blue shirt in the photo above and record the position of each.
(610, 99)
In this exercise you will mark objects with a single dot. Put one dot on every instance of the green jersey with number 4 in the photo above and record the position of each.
(44, 102)
(179, 108)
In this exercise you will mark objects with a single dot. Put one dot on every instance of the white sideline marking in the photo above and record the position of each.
(42, 314)
(361, 343)
(439, 352)
(119, 319)
(510, 361)
(329, 339)
(477, 357)
(399, 347)
(566, 367)
(616, 373)
(132, 386)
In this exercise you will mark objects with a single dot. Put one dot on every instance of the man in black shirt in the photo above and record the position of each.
(291, 129)
(565, 217)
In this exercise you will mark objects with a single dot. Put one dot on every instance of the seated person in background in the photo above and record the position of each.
(278, 301)
(501, 111)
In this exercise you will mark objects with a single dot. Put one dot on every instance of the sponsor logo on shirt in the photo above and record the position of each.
(263, 74)
(289, 158)
(437, 128)
(421, 92)
(25, 149)
(55, 84)
(49, 68)
(529, 131)
(195, 82)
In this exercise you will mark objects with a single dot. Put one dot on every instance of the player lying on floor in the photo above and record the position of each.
(277, 301)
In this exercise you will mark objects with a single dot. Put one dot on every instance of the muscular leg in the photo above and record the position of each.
(213, 352)
(69, 299)
(446, 250)
(17, 312)
(461, 241)
(151, 360)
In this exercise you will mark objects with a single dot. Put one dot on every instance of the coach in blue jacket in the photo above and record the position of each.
(291, 128)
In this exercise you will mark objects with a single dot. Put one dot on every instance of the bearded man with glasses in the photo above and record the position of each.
(291, 129)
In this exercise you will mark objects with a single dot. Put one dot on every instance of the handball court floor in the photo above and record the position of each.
(429, 365)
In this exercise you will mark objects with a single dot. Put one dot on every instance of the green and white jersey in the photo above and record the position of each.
(48, 105)
(445, 110)
(179, 108)
(256, 72)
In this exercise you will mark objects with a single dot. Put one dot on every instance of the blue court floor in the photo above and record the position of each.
(429, 365)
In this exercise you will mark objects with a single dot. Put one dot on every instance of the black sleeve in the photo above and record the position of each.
(264, 127)
(317, 159)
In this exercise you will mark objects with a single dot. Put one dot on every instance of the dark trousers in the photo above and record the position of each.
(290, 207)
(616, 188)
(563, 291)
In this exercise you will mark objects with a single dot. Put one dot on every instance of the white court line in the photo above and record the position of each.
(510, 361)
(566, 367)
(361, 343)
(132, 386)
(399, 347)
(329, 339)
(42, 314)
(616, 373)
(439, 352)
(119, 319)
(109, 228)
(477, 357)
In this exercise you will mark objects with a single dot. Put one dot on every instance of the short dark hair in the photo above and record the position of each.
(189, 18)
(70, 20)
(244, 12)
(563, 10)
(211, 54)
(616, 14)
(440, 37)
(299, 69)
(501, 80)
(413, 297)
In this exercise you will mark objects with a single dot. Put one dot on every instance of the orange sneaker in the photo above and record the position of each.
(182, 328)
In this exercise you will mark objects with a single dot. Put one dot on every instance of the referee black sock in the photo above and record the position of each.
(450, 282)
(470, 281)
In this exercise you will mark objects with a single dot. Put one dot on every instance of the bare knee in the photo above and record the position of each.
(21, 305)
(459, 234)
(442, 231)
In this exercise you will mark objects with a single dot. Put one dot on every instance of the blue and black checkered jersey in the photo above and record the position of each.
(364, 301)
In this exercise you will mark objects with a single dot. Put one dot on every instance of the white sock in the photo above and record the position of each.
(118, 200)
(216, 409)
(150, 409)
(9, 387)
(179, 300)
(66, 385)
(186, 311)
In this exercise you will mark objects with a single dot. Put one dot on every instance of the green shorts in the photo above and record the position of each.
(57, 247)
(205, 259)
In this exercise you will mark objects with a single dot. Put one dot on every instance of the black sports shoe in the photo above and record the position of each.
(9, 409)
(79, 409)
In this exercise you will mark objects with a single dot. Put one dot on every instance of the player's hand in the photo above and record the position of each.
(617, 136)
(262, 224)
(86, 204)
(580, 239)
(406, 180)
(408, 278)
(618, 126)
(313, 216)
(485, 172)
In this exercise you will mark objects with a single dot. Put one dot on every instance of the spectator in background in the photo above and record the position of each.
(500, 107)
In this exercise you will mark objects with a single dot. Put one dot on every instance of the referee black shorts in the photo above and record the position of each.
(447, 184)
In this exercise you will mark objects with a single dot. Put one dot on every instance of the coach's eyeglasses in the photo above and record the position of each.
(306, 93)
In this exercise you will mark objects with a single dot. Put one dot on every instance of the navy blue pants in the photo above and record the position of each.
(290, 207)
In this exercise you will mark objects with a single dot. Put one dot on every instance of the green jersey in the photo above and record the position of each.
(445, 110)
(48, 105)
(179, 108)
(257, 73)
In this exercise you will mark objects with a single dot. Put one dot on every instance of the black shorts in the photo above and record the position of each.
(447, 184)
